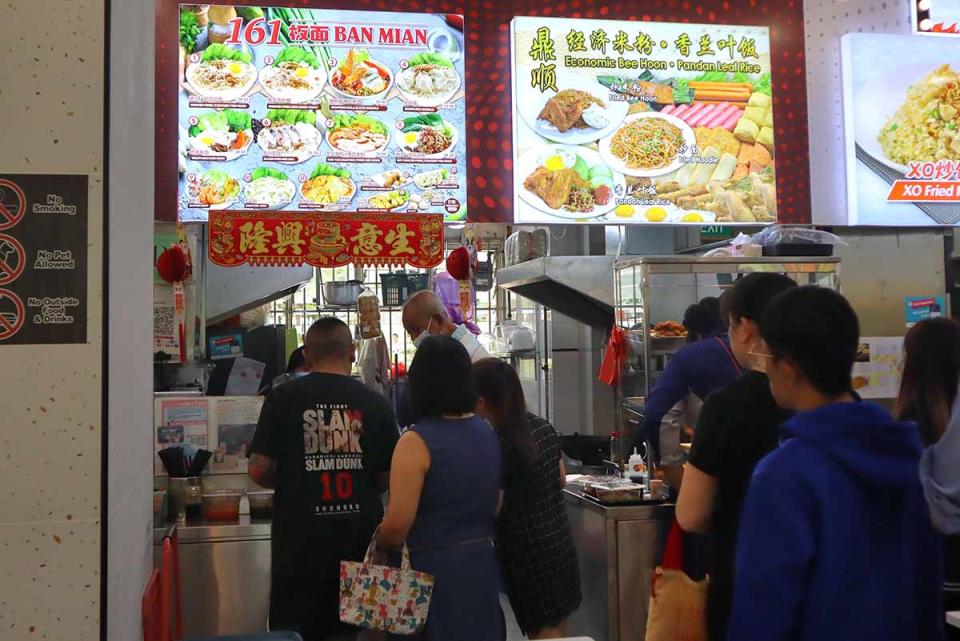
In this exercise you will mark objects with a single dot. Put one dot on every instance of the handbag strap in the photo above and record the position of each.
(673, 551)
(733, 360)
(372, 548)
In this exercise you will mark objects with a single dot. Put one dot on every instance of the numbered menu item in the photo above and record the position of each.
(642, 123)
(304, 109)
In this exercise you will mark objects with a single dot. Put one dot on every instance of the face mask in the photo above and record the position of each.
(418, 341)
(460, 333)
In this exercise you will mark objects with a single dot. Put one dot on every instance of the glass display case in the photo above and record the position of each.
(657, 289)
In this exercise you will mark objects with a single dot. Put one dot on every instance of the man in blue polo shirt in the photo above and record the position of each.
(700, 368)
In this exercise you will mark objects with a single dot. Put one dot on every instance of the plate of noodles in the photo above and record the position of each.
(647, 144)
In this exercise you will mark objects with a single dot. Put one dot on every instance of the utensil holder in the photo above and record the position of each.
(184, 499)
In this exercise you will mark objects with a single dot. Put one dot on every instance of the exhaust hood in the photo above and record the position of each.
(580, 287)
(234, 290)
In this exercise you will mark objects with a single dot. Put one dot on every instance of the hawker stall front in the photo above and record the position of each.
(320, 165)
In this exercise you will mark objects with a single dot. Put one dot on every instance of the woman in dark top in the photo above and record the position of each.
(738, 426)
(928, 389)
(444, 490)
(534, 543)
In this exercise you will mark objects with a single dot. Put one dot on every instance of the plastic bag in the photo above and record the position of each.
(368, 310)
(785, 234)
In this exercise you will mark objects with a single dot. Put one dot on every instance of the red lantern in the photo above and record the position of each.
(458, 263)
(172, 264)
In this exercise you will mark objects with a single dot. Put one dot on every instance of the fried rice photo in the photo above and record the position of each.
(927, 126)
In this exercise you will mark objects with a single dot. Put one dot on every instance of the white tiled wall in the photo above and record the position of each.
(51, 100)
(825, 21)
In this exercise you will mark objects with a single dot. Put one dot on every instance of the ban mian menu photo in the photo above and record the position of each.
(642, 122)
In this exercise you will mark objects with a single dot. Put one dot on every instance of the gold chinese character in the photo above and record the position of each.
(706, 46)
(288, 237)
(748, 48)
(399, 240)
(255, 238)
(729, 43)
(576, 41)
(367, 240)
(621, 42)
(599, 40)
(683, 44)
(542, 48)
(544, 77)
(643, 43)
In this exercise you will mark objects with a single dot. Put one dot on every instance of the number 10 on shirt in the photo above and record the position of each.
(342, 485)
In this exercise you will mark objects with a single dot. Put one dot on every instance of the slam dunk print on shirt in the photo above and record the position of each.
(332, 449)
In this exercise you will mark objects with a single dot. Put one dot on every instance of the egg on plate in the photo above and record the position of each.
(557, 158)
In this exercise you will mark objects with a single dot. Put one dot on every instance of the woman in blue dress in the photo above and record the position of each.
(444, 495)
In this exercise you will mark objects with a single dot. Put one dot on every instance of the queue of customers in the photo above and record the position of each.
(818, 504)
(475, 487)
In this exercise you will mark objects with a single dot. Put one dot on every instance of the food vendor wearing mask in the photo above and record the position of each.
(698, 369)
(424, 315)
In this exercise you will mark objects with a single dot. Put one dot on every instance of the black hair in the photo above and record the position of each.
(328, 337)
(751, 294)
(497, 383)
(702, 319)
(931, 375)
(296, 361)
(817, 330)
(441, 379)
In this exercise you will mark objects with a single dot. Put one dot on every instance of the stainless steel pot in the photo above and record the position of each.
(342, 293)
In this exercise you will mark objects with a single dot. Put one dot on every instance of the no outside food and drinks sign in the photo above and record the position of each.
(43, 259)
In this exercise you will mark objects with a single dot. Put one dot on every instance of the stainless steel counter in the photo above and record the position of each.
(224, 576)
(617, 550)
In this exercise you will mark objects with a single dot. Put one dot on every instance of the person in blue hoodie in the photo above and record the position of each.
(835, 540)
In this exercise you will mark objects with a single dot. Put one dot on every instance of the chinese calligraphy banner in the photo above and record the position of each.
(280, 239)
(902, 130)
(302, 109)
(619, 122)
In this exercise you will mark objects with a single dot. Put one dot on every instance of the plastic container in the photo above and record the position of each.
(616, 448)
(222, 505)
(261, 505)
(637, 468)
(183, 498)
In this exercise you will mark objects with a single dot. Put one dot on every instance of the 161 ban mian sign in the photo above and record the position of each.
(285, 239)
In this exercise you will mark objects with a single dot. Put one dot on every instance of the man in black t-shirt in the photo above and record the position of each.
(324, 441)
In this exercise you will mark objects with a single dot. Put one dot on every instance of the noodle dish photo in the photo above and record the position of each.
(647, 144)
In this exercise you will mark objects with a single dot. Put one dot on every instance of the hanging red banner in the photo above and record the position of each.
(324, 239)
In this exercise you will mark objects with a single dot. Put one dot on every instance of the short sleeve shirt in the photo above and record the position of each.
(330, 436)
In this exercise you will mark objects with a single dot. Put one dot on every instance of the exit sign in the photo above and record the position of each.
(713, 233)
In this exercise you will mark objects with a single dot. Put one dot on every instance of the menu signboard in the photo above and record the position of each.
(304, 110)
(642, 122)
(902, 130)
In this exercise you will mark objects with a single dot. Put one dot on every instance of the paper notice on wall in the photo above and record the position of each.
(235, 420)
(180, 422)
(246, 377)
(876, 372)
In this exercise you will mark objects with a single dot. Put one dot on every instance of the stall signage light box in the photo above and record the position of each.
(935, 17)
(309, 110)
(620, 122)
(902, 130)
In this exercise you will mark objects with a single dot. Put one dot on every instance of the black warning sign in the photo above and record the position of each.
(43, 259)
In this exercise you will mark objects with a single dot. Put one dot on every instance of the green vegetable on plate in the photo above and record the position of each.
(416, 123)
(267, 172)
(297, 55)
(349, 120)
(226, 120)
(217, 51)
(292, 116)
(430, 58)
(324, 169)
